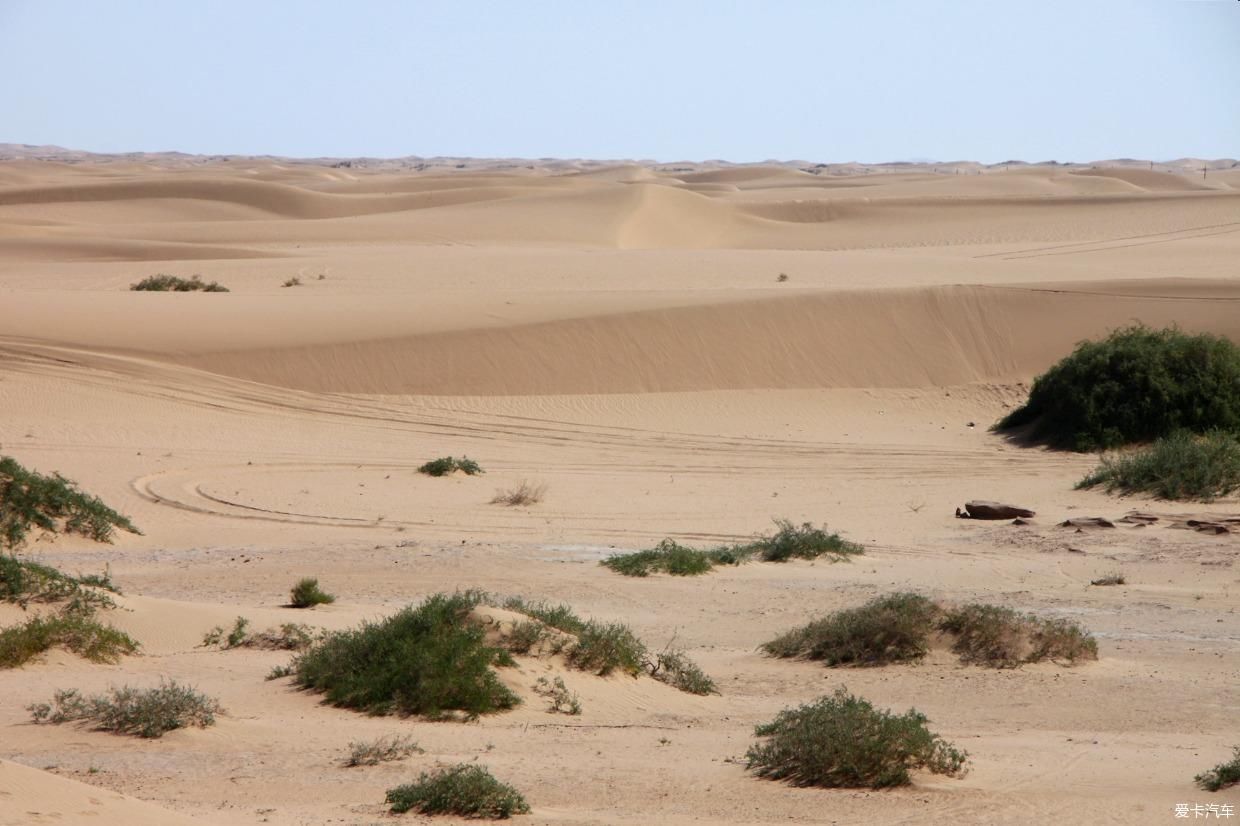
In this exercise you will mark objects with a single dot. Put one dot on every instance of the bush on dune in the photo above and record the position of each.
(176, 284)
(53, 504)
(1178, 467)
(1136, 385)
(148, 712)
(23, 582)
(306, 594)
(1222, 776)
(77, 632)
(465, 790)
(445, 465)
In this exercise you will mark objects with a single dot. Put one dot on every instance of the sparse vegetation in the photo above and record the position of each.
(1116, 578)
(176, 284)
(889, 629)
(53, 504)
(288, 637)
(292, 282)
(448, 464)
(1003, 638)
(842, 741)
(789, 541)
(141, 712)
(1222, 776)
(562, 700)
(77, 632)
(466, 790)
(898, 628)
(1181, 466)
(306, 594)
(1136, 385)
(382, 750)
(603, 647)
(678, 671)
(23, 582)
(428, 660)
(523, 494)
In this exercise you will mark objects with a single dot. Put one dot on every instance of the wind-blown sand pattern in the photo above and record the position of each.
(621, 334)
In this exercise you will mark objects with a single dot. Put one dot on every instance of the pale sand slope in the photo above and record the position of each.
(618, 333)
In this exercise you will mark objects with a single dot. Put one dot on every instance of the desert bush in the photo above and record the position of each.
(559, 617)
(1004, 638)
(447, 464)
(525, 636)
(292, 282)
(523, 494)
(1116, 578)
(306, 594)
(466, 790)
(668, 557)
(678, 671)
(176, 284)
(142, 712)
(1181, 466)
(888, 629)
(77, 632)
(1136, 385)
(53, 504)
(23, 582)
(562, 700)
(603, 647)
(1221, 776)
(382, 750)
(288, 637)
(843, 741)
(801, 542)
(427, 660)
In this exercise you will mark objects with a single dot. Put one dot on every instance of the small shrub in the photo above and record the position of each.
(426, 660)
(1110, 579)
(1221, 776)
(288, 637)
(603, 647)
(559, 617)
(292, 282)
(176, 284)
(279, 672)
(1003, 638)
(53, 504)
(889, 629)
(668, 557)
(678, 671)
(842, 741)
(525, 636)
(523, 494)
(1178, 467)
(562, 700)
(142, 712)
(382, 750)
(23, 582)
(1136, 385)
(466, 790)
(803, 542)
(447, 464)
(306, 594)
(79, 633)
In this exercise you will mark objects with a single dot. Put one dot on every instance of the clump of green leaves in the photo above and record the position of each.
(23, 582)
(1136, 385)
(889, 629)
(447, 464)
(77, 632)
(562, 700)
(53, 504)
(429, 660)
(141, 712)
(306, 594)
(176, 284)
(1180, 467)
(467, 790)
(842, 741)
(678, 671)
(288, 637)
(1221, 776)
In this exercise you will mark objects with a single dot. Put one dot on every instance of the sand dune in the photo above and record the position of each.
(684, 350)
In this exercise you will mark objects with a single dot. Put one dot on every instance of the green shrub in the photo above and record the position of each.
(50, 503)
(559, 617)
(23, 582)
(562, 700)
(77, 632)
(844, 742)
(803, 542)
(1136, 385)
(382, 750)
(667, 557)
(306, 594)
(1221, 776)
(678, 671)
(1180, 466)
(466, 790)
(288, 637)
(1003, 638)
(142, 712)
(525, 636)
(603, 647)
(427, 660)
(888, 629)
(176, 284)
(447, 464)
(1116, 578)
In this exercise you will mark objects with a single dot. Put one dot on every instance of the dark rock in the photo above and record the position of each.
(982, 509)
(1087, 522)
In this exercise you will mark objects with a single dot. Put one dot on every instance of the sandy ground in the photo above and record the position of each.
(621, 335)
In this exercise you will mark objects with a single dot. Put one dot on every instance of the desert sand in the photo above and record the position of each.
(622, 334)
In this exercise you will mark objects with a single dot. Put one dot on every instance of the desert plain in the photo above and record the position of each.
(673, 350)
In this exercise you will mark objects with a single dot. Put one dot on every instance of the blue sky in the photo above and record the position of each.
(867, 80)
